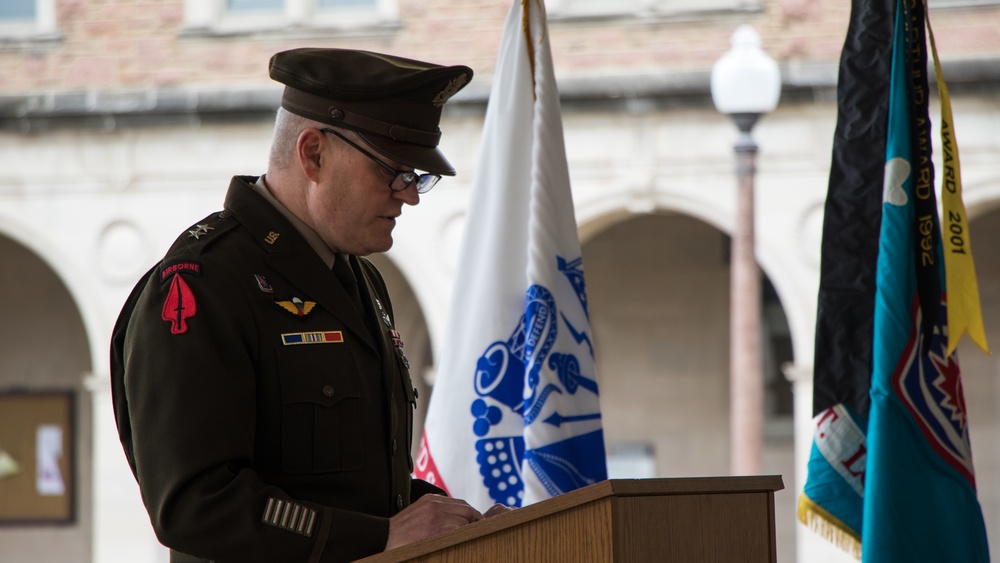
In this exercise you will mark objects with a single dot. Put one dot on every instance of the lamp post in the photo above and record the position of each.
(746, 84)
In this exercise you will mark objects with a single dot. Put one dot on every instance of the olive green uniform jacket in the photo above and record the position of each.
(264, 416)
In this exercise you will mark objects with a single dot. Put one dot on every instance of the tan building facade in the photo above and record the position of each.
(121, 122)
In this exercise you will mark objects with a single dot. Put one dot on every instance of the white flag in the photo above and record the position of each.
(515, 416)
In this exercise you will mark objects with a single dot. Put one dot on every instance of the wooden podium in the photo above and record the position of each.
(685, 520)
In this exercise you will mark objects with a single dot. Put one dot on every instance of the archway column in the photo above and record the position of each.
(808, 545)
(121, 529)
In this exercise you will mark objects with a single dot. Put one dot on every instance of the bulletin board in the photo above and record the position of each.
(36, 457)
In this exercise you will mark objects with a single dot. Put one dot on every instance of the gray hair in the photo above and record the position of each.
(287, 127)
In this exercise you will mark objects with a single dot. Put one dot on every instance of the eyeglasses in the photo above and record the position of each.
(401, 179)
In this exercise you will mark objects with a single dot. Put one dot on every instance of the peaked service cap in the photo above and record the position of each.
(394, 104)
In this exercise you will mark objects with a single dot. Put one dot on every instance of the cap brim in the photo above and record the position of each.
(418, 157)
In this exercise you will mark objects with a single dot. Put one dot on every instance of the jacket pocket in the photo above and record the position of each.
(321, 406)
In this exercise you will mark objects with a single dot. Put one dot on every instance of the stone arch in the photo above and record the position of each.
(658, 288)
(599, 215)
(46, 344)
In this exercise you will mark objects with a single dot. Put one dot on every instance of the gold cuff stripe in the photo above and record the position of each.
(290, 516)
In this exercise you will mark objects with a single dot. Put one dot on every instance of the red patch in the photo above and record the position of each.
(179, 268)
(397, 340)
(179, 305)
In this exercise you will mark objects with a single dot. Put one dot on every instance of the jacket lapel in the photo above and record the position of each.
(288, 253)
(314, 280)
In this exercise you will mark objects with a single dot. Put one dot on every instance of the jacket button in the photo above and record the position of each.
(328, 390)
(399, 502)
(415, 394)
(394, 446)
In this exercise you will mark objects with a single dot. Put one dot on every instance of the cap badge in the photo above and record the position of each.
(454, 85)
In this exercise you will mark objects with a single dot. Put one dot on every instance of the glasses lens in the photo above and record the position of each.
(426, 181)
(402, 180)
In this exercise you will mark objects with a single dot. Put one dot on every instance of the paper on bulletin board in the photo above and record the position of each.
(49, 479)
(8, 465)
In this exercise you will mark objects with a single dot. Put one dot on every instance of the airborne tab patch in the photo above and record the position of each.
(192, 268)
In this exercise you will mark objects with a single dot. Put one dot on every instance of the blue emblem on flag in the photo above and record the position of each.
(929, 385)
(517, 377)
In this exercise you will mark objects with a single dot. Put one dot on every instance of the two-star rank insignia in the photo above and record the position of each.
(297, 306)
(199, 230)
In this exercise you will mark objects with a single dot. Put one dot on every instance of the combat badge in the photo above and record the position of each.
(297, 306)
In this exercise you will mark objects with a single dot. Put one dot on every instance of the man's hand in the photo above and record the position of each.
(498, 509)
(430, 515)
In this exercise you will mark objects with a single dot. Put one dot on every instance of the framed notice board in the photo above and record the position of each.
(36, 457)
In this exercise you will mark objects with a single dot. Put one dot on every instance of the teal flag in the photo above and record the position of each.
(891, 476)
(920, 500)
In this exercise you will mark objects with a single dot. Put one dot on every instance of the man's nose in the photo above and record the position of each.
(408, 196)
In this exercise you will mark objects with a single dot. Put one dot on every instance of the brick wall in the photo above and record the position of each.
(130, 44)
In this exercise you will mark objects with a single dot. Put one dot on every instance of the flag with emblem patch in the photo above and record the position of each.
(514, 417)
(920, 489)
(890, 474)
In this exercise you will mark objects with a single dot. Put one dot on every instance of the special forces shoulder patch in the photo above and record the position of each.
(180, 304)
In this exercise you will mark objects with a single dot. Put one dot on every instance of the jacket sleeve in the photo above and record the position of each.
(419, 488)
(190, 387)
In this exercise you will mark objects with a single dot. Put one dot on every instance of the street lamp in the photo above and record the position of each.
(746, 84)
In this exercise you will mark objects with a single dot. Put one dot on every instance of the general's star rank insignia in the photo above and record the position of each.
(297, 306)
(199, 230)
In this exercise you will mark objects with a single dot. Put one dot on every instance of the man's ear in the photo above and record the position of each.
(309, 150)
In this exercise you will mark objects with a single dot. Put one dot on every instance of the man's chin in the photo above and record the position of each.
(375, 249)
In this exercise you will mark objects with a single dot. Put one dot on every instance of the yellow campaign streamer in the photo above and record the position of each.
(964, 312)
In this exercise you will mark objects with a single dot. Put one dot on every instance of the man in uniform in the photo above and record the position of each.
(260, 388)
